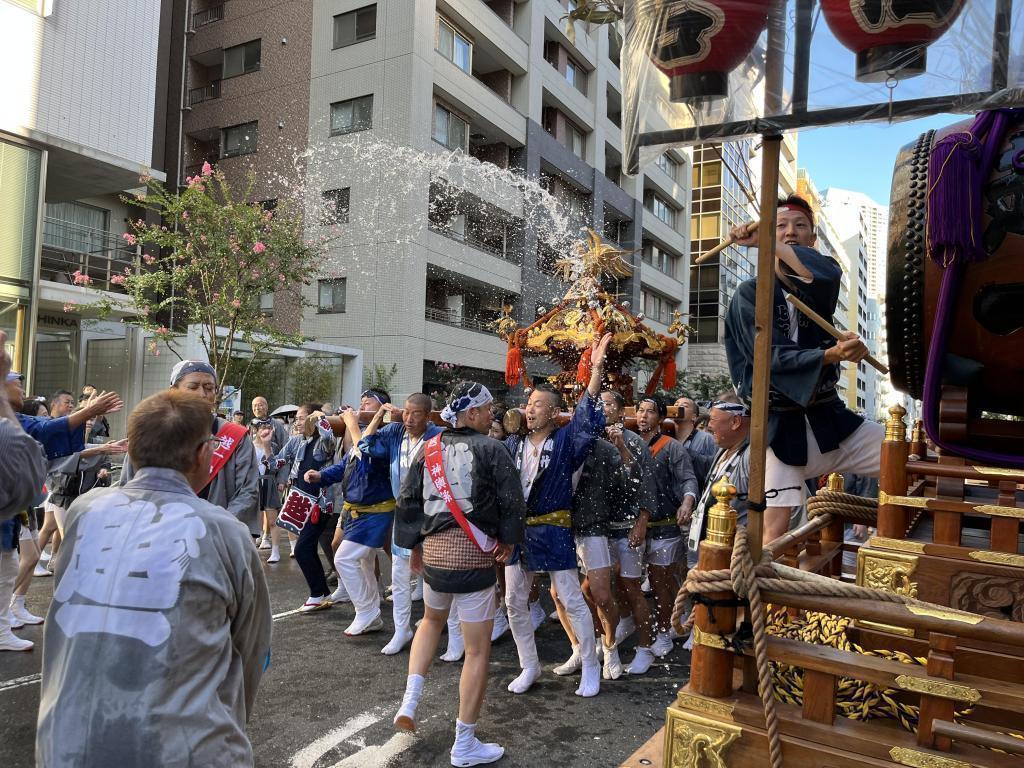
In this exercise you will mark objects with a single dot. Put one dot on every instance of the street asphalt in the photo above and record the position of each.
(327, 700)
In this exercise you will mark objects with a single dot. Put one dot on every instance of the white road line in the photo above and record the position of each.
(18, 682)
(307, 756)
(379, 756)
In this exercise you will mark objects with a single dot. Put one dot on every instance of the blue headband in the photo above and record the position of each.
(185, 367)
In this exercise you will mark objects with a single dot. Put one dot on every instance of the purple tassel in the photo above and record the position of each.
(956, 174)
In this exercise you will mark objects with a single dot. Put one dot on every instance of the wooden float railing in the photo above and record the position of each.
(936, 687)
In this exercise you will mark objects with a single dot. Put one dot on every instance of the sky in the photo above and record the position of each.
(861, 157)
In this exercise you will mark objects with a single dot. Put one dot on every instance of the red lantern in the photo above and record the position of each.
(698, 42)
(890, 37)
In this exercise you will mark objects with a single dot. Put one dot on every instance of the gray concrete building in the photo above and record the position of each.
(407, 125)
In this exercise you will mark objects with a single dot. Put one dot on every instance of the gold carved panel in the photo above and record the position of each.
(889, 572)
(692, 741)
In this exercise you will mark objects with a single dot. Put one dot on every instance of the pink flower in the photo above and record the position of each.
(216, 296)
(70, 306)
(148, 258)
(162, 331)
(259, 248)
(281, 278)
(207, 169)
(79, 279)
(241, 264)
(129, 238)
(117, 279)
(236, 303)
(255, 273)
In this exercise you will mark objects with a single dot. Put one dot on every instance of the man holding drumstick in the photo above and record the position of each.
(810, 431)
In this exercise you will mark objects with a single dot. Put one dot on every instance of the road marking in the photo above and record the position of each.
(277, 616)
(379, 756)
(307, 756)
(18, 682)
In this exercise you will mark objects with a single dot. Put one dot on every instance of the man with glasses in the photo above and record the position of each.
(234, 474)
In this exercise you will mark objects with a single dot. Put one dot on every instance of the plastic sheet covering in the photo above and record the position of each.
(713, 68)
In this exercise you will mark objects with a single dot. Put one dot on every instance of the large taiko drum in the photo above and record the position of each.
(985, 347)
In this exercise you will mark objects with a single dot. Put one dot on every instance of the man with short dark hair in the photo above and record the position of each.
(62, 403)
(698, 443)
(810, 431)
(154, 577)
(234, 478)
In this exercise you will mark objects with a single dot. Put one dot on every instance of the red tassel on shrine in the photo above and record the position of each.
(670, 371)
(514, 367)
(584, 368)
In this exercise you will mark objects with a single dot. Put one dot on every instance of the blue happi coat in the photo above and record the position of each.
(550, 547)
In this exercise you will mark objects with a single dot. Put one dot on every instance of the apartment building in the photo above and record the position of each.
(726, 183)
(364, 101)
(76, 127)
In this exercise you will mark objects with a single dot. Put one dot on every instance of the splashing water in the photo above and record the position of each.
(398, 191)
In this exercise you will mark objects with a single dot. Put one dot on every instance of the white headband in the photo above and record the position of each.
(471, 395)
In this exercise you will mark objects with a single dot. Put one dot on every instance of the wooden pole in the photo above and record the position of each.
(763, 316)
(763, 309)
(892, 518)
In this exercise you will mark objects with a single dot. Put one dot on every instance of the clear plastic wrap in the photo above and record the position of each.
(714, 78)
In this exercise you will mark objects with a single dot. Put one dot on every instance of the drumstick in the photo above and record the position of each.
(751, 227)
(830, 329)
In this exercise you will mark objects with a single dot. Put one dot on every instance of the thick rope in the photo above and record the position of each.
(845, 505)
(746, 585)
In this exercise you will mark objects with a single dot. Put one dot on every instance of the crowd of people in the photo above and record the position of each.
(161, 605)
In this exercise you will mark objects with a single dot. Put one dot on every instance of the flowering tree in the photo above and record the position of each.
(208, 261)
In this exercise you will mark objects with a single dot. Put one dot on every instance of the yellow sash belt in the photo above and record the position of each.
(559, 517)
(369, 509)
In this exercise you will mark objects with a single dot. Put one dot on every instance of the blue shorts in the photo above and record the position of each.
(548, 548)
(369, 529)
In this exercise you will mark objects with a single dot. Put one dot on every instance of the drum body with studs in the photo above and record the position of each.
(985, 348)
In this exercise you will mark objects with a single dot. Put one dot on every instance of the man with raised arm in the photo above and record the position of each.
(546, 459)
(810, 431)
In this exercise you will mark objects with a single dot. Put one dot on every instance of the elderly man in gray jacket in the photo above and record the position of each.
(159, 629)
(235, 482)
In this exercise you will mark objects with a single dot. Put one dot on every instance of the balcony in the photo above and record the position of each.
(467, 219)
(204, 93)
(207, 15)
(458, 301)
(97, 254)
(454, 318)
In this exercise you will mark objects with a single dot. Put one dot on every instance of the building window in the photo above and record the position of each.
(657, 307)
(450, 129)
(241, 59)
(238, 140)
(576, 76)
(661, 209)
(335, 206)
(660, 259)
(331, 295)
(266, 304)
(352, 115)
(668, 165)
(575, 139)
(454, 46)
(355, 26)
